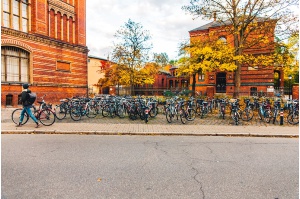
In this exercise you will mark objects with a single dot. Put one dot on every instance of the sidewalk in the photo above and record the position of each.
(113, 127)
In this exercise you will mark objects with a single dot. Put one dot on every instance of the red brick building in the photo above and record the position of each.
(43, 43)
(165, 80)
(253, 78)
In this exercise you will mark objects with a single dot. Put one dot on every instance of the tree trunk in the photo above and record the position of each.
(237, 79)
(194, 85)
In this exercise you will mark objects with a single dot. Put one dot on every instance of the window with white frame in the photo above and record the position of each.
(201, 76)
(15, 14)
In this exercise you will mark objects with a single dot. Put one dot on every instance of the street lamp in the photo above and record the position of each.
(290, 83)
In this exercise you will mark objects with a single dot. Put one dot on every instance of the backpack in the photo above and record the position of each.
(32, 98)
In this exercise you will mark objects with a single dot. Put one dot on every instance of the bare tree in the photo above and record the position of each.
(243, 19)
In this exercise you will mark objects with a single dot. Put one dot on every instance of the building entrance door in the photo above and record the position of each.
(221, 83)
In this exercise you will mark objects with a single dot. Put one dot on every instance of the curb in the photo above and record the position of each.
(147, 133)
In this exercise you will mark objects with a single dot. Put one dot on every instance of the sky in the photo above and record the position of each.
(166, 22)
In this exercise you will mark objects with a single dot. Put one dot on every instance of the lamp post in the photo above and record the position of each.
(290, 85)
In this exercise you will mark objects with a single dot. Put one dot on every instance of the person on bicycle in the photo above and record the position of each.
(26, 106)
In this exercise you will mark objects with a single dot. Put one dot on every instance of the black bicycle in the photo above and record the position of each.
(44, 114)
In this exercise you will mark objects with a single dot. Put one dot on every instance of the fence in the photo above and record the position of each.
(276, 92)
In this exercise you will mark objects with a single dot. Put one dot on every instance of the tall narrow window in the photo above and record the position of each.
(59, 22)
(6, 13)
(201, 76)
(65, 27)
(16, 16)
(15, 64)
(52, 23)
(71, 30)
(25, 16)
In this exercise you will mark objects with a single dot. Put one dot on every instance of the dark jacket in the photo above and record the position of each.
(25, 97)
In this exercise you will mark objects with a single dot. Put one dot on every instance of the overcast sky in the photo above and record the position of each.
(167, 23)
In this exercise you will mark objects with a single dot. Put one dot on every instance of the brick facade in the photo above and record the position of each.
(295, 91)
(253, 78)
(57, 48)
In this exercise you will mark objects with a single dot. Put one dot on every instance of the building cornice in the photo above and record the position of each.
(42, 39)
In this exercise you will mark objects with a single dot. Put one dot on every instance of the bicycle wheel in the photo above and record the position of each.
(268, 116)
(183, 116)
(112, 112)
(142, 115)
(247, 115)
(204, 112)
(293, 118)
(47, 117)
(132, 115)
(236, 118)
(16, 114)
(91, 112)
(153, 112)
(105, 111)
(121, 112)
(75, 113)
(60, 112)
(169, 115)
(222, 111)
(191, 114)
(260, 117)
(276, 117)
(198, 110)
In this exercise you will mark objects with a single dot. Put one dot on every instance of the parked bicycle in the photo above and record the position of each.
(235, 115)
(247, 113)
(203, 107)
(276, 111)
(82, 107)
(293, 117)
(265, 112)
(174, 109)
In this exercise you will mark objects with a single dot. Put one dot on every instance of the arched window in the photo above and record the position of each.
(71, 30)
(52, 23)
(223, 39)
(65, 28)
(59, 23)
(14, 64)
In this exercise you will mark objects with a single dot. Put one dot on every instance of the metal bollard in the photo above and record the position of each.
(281, 116)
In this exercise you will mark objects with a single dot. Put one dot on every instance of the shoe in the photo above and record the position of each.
(19, 125)
(37, 125)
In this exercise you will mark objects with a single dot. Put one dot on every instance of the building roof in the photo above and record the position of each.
(174, 67)
(211, 25)
(226, 23)
(95, 57)
(164, 71)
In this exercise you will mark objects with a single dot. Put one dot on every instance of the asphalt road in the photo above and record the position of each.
(85, 166)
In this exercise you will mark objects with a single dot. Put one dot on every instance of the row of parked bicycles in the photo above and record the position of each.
(109, 106)
(187, 110)
(173, 108)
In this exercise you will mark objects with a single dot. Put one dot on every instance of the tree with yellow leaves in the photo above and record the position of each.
(205, 55)
(251, 24)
